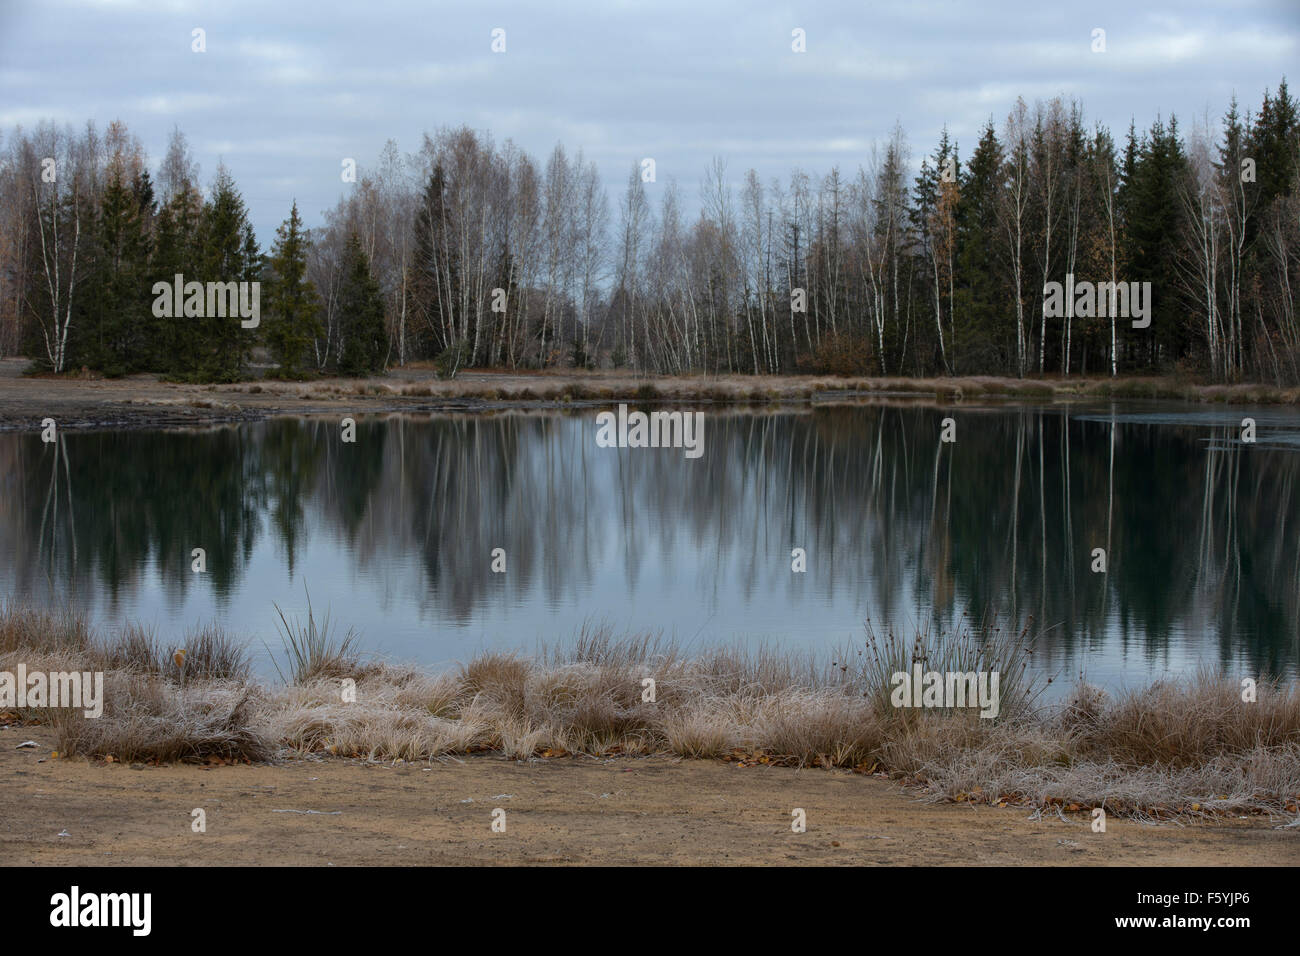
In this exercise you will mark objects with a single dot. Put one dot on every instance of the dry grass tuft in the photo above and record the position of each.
(135, 649)
(312, 651)
(31, 630)
(147, 717)
(208, 652)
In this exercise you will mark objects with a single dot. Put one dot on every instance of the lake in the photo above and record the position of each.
(395, 533)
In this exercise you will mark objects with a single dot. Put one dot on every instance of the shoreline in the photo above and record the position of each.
(144, 401)
(1195, 751)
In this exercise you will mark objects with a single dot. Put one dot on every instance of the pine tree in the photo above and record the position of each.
(1275, 145)
(227, 253)
(1151, 224)
(176, 350)
(115, 337)
(363, 342)
(981, 295)
(289, 301)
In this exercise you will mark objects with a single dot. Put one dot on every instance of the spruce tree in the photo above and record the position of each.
(176, 350)
(1275, 145)
(289, 300)
(227, 253)
(363, 342)
(1158, 166)
(115, 337)
(988, 324)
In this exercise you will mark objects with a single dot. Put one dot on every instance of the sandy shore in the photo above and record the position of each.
(618, 811)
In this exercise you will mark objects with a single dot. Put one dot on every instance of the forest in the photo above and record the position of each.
(469, 253)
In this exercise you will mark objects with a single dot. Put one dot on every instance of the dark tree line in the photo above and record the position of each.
(471, 253)
(87, 233)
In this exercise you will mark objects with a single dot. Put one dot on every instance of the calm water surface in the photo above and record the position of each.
(394, 534)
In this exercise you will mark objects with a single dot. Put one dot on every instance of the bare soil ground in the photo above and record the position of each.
(618, 811)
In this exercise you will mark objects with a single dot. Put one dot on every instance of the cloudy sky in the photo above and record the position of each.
(285, 91)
